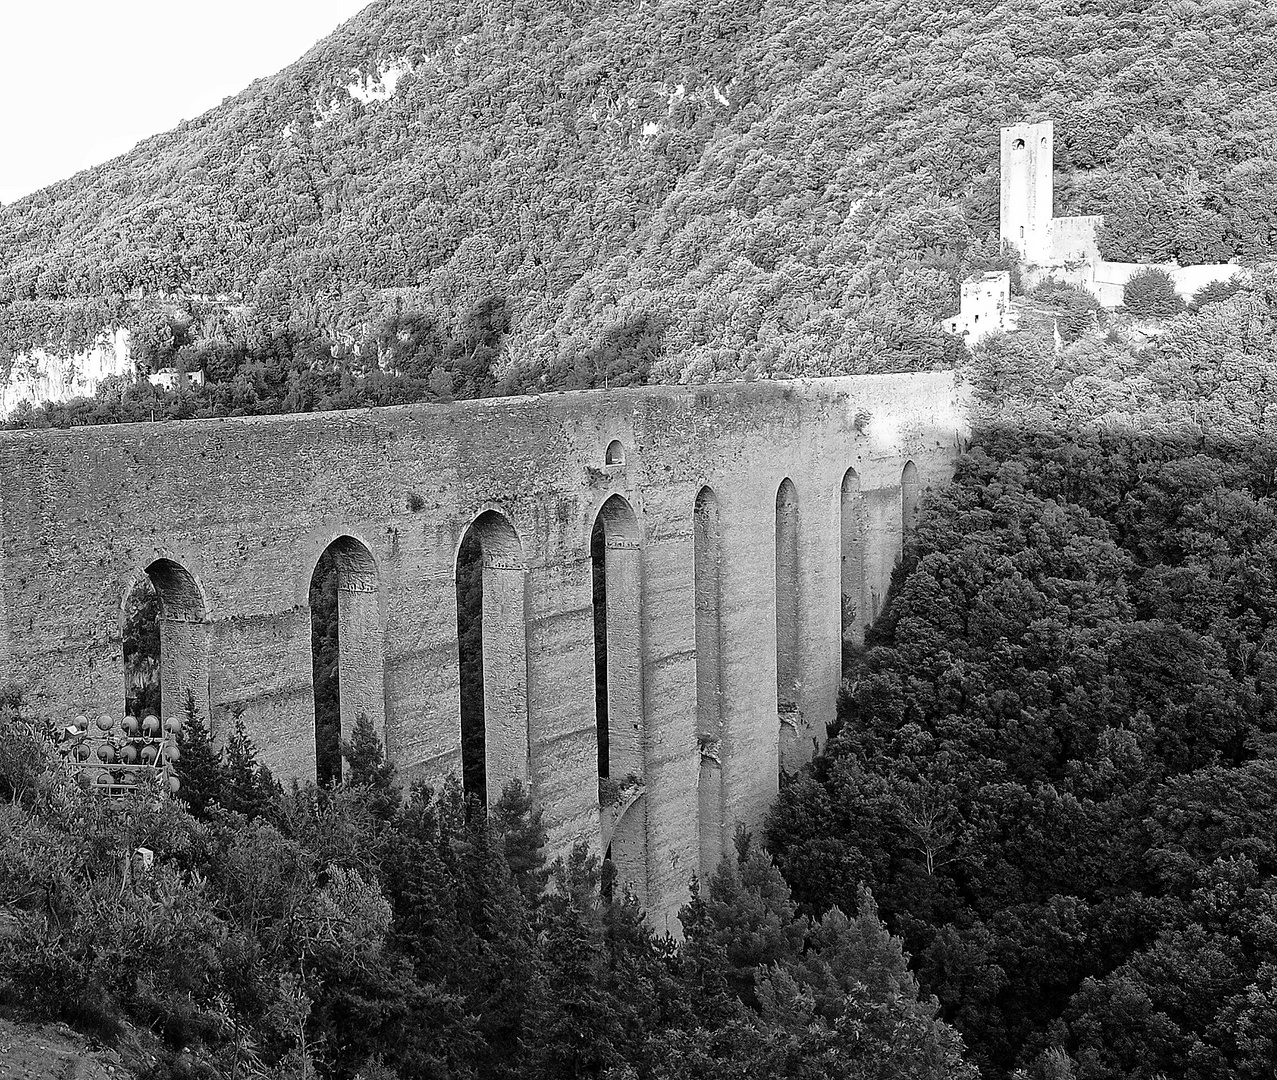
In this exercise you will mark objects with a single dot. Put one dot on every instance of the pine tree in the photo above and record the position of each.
(1151, 292)
(249, 788)
(573, 1026)
(368, 768)
(749, 915)
(518, 823)
(502, 960)
(199, 769)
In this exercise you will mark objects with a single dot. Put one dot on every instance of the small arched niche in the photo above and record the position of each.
(347, 649)
(492, 655)
(165, 632)
(615, 453)
(1018, 144)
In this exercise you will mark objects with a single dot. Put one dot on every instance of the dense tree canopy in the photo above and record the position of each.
(563, 195)
(364, 930)
(1055, 757)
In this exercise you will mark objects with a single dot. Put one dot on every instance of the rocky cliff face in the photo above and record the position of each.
(40, 377)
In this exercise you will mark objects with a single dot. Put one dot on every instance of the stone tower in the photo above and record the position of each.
(1027, 191)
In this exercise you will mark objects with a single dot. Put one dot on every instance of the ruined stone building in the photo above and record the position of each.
(1066, 247)
(749, 529)
(984, 307)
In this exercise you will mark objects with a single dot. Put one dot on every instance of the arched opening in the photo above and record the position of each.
(787, 636)
(615, 453)
(908, 505)
(1018, 144)
(707, 586)
(617, 572)
(852, 549)
(492, 656)
(165, 633)
(347, 663)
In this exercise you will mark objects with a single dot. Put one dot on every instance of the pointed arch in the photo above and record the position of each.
(909, 498)
(617, 575)
(852, 553)
(707, 588)
(166, 602)
(347, 648)
(788, 660)
(492, 655)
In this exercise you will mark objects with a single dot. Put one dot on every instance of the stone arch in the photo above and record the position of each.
(345, 575)
(788, 641)
(707, 558)
(498, 735)
(852, 529)
(181, 614)
(616, 560)
(909, 497)
(615, 454)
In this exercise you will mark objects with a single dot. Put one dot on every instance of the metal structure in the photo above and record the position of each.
(113, 756)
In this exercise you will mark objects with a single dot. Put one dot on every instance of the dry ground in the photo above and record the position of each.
(55, 1052)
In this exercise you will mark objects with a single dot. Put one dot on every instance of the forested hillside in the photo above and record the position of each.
(621, 191)
(1057, 754)
(366, 931)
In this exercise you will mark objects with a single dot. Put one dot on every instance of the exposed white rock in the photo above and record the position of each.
(381, 88)
(40, 377)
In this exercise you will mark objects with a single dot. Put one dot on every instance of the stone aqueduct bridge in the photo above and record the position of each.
(736, 516)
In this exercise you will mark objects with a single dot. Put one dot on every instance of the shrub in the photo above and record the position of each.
(1151, 292)
(1079, 310)
(1216, 292)
(1051, 291)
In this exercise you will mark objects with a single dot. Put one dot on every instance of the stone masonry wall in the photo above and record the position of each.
(247, 506)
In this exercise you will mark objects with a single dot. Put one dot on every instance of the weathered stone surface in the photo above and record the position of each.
(245, 507)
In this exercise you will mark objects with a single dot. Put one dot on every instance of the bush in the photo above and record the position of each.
(1151, 292)
(1051, 291)
(1216, 292)
(1079, 310)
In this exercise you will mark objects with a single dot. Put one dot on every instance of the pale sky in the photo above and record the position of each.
(84, 80)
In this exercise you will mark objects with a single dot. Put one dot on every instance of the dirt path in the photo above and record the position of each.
(54, 1052)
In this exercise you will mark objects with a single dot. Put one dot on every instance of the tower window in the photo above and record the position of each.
(615, 453)
(1018, 144)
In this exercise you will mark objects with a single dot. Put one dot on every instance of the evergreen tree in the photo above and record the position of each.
(749, 916)
(518, 823)
(248, 788)
(368, 768)
(1151, 292)
(573, 1027)
(199, 769)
